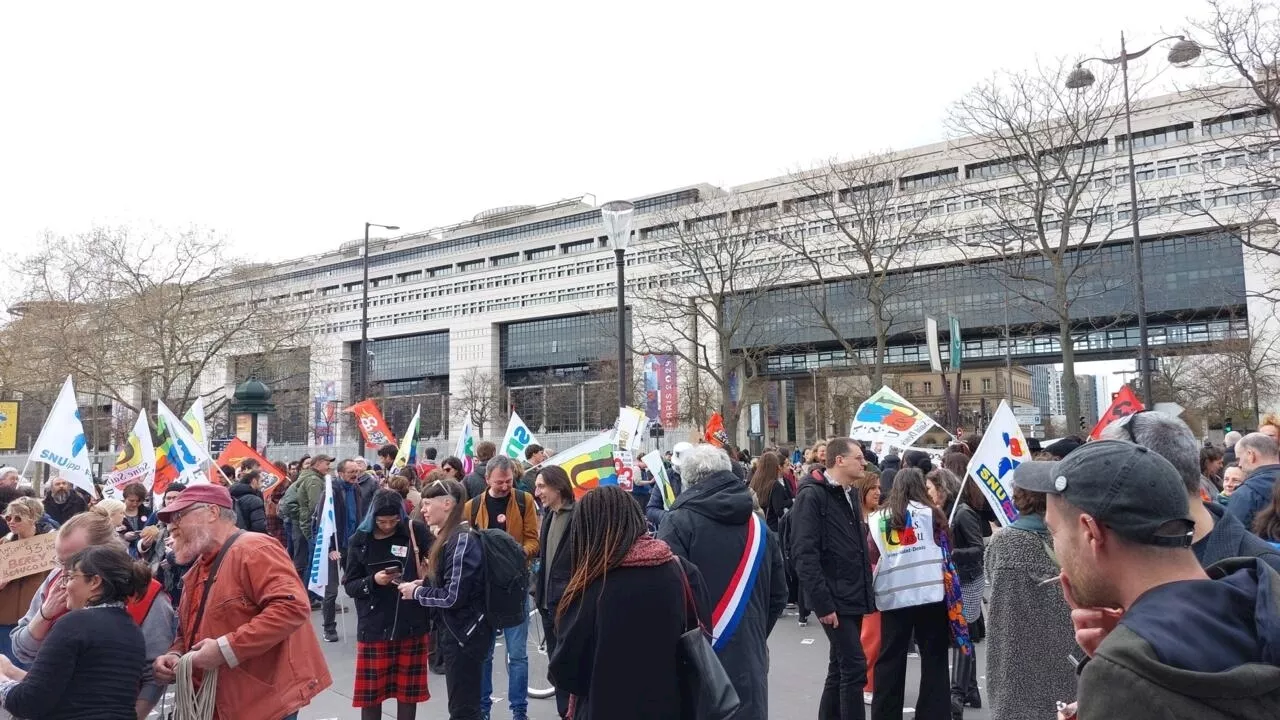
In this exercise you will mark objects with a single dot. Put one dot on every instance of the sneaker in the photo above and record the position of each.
(791, 606)
(804, 622)
(867, 697)
(330, 636)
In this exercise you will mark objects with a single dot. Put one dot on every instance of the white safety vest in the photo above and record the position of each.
(910, 569)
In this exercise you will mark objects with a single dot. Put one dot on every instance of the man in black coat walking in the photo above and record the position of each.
(713, 525)
(829, 549)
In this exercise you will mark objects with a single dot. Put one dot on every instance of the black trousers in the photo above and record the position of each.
(462, 674)
(549, 632)
(846, 672)
(933, 636)
(793, 591)
(329, 608)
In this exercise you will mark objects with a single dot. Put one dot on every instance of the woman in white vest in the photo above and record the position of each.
(911, 599)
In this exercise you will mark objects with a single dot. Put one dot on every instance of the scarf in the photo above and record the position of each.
(954, 598)
(647, 552)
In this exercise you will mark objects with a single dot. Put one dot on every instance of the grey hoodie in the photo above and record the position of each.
(1193, 650)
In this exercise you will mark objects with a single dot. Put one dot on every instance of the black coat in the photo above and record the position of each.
(474, 482)
(778, 505)
(249, 507)
(380, 613)
(708, 527)
(76, 503)
(889, 468)
(966, 543)
(560, 567)
(829, 550)
(617, 644)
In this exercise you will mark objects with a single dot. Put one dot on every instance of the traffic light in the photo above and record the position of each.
(1083, 426)
(1226, 425)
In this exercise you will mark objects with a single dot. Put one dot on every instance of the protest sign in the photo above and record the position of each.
(1002, 449)
(887, 417)
(21, 558)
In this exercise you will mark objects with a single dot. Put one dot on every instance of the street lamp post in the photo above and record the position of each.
(1180, 55)
(364, 313)
(617, 217)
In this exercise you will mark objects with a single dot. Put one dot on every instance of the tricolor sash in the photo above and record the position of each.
(731, 608)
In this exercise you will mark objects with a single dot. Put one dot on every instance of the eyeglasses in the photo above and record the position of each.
(178, 516)
(11, 519)
(66, 577)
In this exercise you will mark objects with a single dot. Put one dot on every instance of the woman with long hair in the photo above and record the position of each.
(456, 590)
(391, 633)
(915, 591)
(967, 551)
(555, 557)
(25, 517)
(773, 494)
(621, 574)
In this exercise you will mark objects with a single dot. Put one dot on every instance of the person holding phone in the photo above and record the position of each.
(391, 633)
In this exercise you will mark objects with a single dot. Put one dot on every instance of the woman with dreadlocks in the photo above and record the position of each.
(607, 629)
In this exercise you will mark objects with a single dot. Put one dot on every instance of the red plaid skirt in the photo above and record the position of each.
(387, 669)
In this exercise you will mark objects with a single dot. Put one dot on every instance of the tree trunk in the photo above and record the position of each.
(1070, 388)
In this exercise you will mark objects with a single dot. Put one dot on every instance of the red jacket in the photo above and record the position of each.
(260, 614)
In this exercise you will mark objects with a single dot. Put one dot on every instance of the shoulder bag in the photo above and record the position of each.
(705, 690)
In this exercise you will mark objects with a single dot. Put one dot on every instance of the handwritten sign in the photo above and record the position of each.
(21, 558)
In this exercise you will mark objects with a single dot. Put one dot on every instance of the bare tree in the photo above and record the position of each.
(1050, 214)
(480, 398)
(861, 230)
(1230, 377)
(141, 316)
(708, 309)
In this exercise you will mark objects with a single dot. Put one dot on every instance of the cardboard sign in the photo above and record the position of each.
(21, 558)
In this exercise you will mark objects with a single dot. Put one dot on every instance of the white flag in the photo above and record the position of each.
(518, 438)
(658, 470)
(62, 444)
(1002, 449)
(466, 447)
(194, 420)
(136, 462)
(187, 454)
(320, 553)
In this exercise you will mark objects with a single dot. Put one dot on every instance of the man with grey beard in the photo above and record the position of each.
(64, 501)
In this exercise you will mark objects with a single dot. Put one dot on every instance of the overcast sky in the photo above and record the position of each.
(285, 126)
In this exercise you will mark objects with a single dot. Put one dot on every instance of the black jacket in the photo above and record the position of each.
(604, 650)
(560, 567)
(829, 550)
(75, 504)
(708, 527)
(778, 505)
(889, 468)
(457, 592)
(380, 613)
(966, 543)
(474, 481)
(250, 508)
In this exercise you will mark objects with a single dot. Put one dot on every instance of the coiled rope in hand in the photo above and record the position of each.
(189, 704)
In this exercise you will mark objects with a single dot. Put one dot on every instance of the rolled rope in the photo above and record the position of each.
(188, 704)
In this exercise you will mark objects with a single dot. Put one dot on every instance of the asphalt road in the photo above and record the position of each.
(797, 667)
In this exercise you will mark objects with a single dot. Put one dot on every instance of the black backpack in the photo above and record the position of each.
(506, 577)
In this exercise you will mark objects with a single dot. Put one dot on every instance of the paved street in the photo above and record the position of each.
(798, 662)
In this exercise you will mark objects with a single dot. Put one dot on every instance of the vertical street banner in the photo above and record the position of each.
(887, 417)
(1001, 451)
(324, 414)
(589, 464)
(372, 425)
(407, 454)
(62, 444)
(931, 338)
(668, 391)
(465, 450)
(320, 553)
(652, 386)
(957, 345)
(237, 451)
(773, 403)
(136, 461)
(658, 469)
(9, 425)
(518, 437)
(194, 420)
(1126, 403)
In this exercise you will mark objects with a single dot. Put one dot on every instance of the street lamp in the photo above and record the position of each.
(617, 217)
(364, 313)
(1183, 53)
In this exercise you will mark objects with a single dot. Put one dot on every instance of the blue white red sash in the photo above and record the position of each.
(731, 608)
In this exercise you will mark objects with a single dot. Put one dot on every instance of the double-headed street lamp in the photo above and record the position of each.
(364, 313)
(1183, 53)
(617, 217)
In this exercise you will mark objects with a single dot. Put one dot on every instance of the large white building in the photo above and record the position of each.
(525, 295)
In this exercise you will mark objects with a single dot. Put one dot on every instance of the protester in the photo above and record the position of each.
(1259, 456)
(771, 492)
(868, 488)
(308, 494)
(910, 550)
(1269, 425)
(713, 527)
(534, 455)
(1218, 534)
(92, 660)
(1030, 624)
(249, 619)
(829, 549)
(452, 468)
(967, 552)
(1229, 447)
(391, 632)
(428, 463)
(152, 611)
(251, 509)
(387, 458)
(64, 500)
(402, 486)
(113, 511)
(1232, 479)
(502, 507)
(1166, 640)
(24, 517)
(352, 493)
(457, 592)
(622, 614)
(1211, 464)
(475, 481)
(137, 514)
(555, 557)
(155, 548)
(889, 467)
(271, 502)
(9, 476)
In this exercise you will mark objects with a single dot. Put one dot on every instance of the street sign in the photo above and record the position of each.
(1027, 415)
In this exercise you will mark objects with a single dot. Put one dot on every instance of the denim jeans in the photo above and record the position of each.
(517, 642)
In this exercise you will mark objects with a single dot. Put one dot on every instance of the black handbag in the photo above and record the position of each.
(705, 690)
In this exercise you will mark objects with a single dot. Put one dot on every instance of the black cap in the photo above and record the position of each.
(1128, 488)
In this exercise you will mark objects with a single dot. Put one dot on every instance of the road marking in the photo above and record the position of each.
(807, 641)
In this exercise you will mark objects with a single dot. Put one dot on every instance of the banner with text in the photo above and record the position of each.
(1126, 403)
(237, 451)
(518, 437)
(21, 558)
(1002, 449)
(62, 444)
(375, 429)
(136, 461)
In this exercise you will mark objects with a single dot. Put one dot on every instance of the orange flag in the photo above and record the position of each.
(374, 428)
(715, 433)
(1126, 403)
(237, 452)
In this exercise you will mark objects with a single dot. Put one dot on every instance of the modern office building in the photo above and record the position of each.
(1089, 407)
